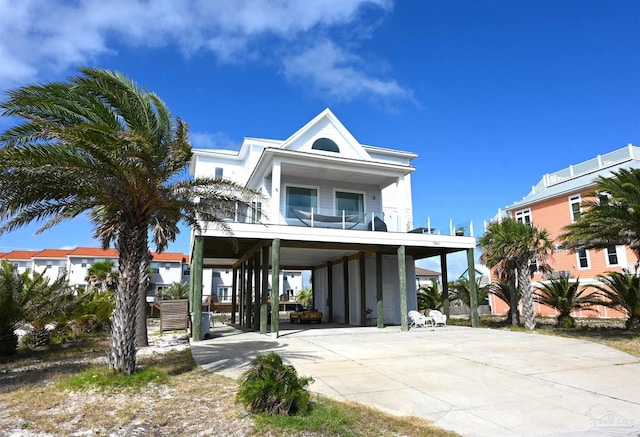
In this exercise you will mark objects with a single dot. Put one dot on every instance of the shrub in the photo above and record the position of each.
(272, 387)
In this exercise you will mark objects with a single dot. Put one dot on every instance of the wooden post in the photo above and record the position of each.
(234, 295)
(264, 307)
(330, 290)
(241, 293)
(249, 298)
(379, 293)
(313, 295)
(256, 287)
(445, 284)
(196, 275)
(473, 289)
(345, 287)
(275, 287)
(402, 276)
(363, 291)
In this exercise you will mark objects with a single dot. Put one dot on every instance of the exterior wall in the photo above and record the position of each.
(52, 268)
(553, 214)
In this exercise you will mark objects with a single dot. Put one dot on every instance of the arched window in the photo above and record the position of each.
(325, 144)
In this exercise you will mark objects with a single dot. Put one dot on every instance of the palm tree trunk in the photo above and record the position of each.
(514, 314)
(524, 284)
(132, 243)
(141, 325)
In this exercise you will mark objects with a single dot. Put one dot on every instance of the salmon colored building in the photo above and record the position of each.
(555, 202)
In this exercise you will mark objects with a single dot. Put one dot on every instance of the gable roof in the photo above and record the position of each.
(167, 256)
(52, 253)
(20, 254)
(93, 252)
(426, 272)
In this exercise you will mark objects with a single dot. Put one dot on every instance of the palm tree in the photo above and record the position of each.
(511, 247)
(507, 292)
(462, 291)
(11, 306)
(565, 296)
(621, 292)
(305, 296)
(98, 143)
(430, 297)
(613, 218)
(177, 290)
(101, 276)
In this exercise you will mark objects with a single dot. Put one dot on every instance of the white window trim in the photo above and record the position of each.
(286, 205)
(575, 198)
(620, 253)
(364, 199)
(229, 294)
(588, 267)
(522, 213)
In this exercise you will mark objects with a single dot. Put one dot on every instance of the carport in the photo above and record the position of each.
(348, 268)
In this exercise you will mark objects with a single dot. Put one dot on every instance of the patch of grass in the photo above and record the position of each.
(332, 418)
(102, 378)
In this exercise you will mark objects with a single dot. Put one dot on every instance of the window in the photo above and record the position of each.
(303, 199)
(256, 212)
(223, 293)
(524, 216)
(583, 259)
(167, 266)
(325, 144)
(612, 256)
(84, 263)
(186, 270)
(350, 203)
(219, 172)
(576, 207)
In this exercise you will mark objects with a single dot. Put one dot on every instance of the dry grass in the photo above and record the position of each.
(35, 400)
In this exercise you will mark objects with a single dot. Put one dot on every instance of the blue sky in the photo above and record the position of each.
(491, 94)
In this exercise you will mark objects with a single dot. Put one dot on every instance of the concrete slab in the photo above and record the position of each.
(478, 382)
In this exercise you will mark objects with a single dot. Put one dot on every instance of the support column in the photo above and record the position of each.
(313, 295)
(234, 295)
(445, 284)
(345, 287)
(363, 290)
(275, 288)
(257, 291)
(264, 301)
(196, 277)
(242, 294)
(402, 276)
(330, 290)
(473, 289)
(249, 294)
(379, 293)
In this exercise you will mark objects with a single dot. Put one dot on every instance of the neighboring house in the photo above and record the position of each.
(165, 269)
(21, 259)
(81, 259)
(328, 204)
(555, 202)
(426, 277)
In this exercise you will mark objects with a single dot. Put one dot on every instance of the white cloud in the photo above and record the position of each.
(339, 73)
(42, 38)
(216, 140)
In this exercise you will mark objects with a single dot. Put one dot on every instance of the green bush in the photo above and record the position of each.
(272, 387)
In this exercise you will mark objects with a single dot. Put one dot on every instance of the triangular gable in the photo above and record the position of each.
(326, 125)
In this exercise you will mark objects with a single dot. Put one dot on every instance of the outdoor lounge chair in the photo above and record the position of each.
(438, 318)
(418, 320)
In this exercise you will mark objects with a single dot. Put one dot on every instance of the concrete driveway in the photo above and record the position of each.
(477, 382)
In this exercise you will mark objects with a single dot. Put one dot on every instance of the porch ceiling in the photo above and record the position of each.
(222, 251)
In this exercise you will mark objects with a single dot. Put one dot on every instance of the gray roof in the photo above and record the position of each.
(580, 176)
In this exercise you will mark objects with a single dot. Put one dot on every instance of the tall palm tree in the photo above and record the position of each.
(622, 292)
(511, 247)
(507, 292)
(612, 218)
(565, 296)
(101, 276)
(100, 144)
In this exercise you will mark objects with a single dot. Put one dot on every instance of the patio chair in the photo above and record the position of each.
(417, 319)
(438, 318)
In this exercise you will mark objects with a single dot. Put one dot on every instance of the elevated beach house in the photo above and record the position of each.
(330, 205)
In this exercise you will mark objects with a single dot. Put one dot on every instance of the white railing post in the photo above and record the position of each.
(312, 214)
(429, 225)
(344, 224)
(373, 228)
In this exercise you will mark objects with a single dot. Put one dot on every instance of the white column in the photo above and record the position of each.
(275, 192)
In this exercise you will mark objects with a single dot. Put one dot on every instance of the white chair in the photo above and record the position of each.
(438, 317)
(417, 319)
